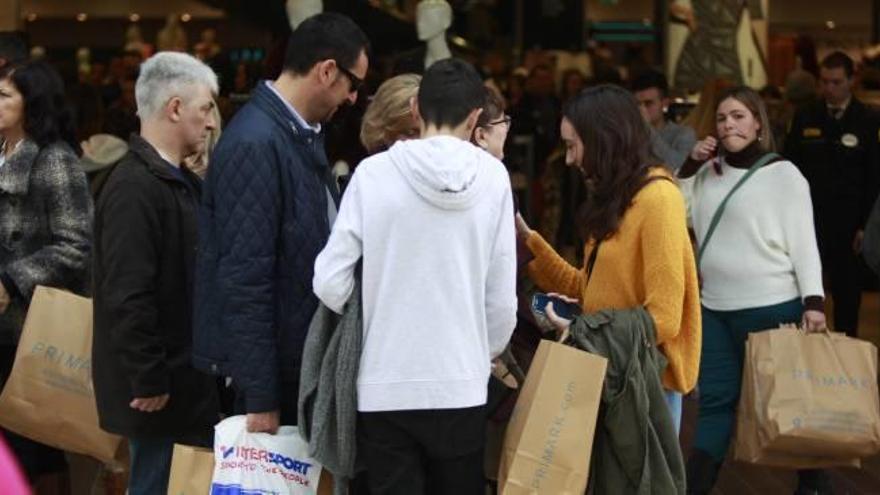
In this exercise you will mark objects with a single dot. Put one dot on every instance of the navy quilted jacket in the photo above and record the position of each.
(262, 223)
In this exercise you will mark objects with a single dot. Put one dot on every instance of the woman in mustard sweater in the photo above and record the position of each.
(636, 224)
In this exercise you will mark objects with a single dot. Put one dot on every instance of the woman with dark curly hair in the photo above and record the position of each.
(45, 216)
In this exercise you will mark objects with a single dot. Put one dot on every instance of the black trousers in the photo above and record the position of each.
(843, 269)
(845, 276)
(431, 452)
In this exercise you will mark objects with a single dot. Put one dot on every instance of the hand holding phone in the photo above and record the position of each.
(564, 309)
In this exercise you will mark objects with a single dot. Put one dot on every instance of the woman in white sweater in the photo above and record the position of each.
(758, 261)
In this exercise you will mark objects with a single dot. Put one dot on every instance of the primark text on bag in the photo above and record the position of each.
(49, 396)
(808, 400)
(549, 438)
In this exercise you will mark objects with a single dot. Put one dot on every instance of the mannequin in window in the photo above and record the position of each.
(300, 10)
(433, 18)
(134, 42)
(172, 37)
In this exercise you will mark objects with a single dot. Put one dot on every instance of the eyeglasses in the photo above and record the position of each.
(506, 120)
(355, 82)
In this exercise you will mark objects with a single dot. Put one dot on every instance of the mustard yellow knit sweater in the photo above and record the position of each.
(648, 262)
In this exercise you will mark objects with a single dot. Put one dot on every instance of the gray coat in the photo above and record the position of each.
(45, 227)
(328, 388)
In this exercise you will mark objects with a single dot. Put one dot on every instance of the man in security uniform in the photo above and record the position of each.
(834, 142)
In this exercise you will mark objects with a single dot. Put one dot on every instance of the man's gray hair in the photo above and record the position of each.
(166, 75)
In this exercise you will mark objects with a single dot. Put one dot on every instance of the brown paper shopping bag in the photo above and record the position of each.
(49, 395)
(812, 396)
(549, 439)
(326, 484)
(747, 445)
(191, 470)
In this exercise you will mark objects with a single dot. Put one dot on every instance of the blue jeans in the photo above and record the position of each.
(673, 400)
(150, 465)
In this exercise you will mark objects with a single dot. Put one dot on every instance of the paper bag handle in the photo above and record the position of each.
(825, 330)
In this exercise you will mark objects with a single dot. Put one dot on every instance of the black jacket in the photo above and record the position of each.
(262, 222)
(841, 161)
(145, 243)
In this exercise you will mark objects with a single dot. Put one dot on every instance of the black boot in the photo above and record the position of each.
(813, 482)
(702, 471)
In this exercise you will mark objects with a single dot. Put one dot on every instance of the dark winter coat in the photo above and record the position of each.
(263, 221)
(145, 248)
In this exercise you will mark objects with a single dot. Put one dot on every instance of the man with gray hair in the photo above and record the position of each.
(145, 246)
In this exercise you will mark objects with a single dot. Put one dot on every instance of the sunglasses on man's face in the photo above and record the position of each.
(355, 82)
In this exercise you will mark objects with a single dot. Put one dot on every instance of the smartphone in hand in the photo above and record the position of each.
(564, 309)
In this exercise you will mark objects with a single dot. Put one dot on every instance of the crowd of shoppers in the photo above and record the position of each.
(207, 255)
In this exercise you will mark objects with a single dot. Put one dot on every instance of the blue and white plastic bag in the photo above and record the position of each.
(260, 463)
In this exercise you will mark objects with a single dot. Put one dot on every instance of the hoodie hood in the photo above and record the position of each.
(445, 171)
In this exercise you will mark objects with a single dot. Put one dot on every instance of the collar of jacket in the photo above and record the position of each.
(853, 107)
(269, 102)
(15, 174)
(155, 163)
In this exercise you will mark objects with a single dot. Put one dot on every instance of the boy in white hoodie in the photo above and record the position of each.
(433, 220)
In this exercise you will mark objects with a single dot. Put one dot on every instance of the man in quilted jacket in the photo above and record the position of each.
(267, 206)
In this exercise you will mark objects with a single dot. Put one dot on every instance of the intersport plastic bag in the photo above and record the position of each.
(260, 463)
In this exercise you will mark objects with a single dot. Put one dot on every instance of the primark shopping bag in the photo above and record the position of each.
(748, 445)
(549, 439)
(49, 395)
(808, 396)
(191, 470)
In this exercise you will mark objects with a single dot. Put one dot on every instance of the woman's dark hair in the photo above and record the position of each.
(47, 115)
(616, 154)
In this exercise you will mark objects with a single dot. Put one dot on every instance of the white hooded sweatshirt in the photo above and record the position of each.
(433, 220)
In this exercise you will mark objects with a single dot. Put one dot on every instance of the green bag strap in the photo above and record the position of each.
(716, 218)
